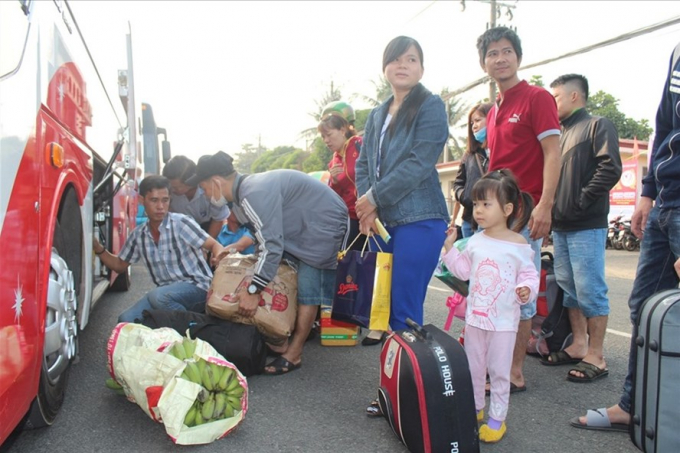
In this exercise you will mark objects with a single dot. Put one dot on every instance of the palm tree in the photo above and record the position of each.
(333, 94)
(456, 112)
(383, 90)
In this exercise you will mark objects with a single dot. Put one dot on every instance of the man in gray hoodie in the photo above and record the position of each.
(287, 211)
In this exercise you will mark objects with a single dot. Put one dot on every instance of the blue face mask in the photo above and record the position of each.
(480, 135)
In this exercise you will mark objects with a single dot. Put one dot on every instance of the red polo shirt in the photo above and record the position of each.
(527, 115)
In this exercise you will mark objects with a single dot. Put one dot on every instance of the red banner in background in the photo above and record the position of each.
(624, 192)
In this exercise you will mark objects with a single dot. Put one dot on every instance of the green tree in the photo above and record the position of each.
(606, 105)
(456, 112)
(537, 80)
(319, 157)
(248, 155)
(361, 118)
(383, 90)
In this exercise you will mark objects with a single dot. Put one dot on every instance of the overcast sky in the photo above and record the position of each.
(221, 74)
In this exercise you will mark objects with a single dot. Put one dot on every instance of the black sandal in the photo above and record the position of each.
(374, 409)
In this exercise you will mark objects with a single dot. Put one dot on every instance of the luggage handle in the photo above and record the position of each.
(418, 329)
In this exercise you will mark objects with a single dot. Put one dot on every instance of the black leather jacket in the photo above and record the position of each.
(591, 166)
(468, 174)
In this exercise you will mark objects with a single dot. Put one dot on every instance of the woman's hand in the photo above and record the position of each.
(364, 207)
(367, 223)
(336, 170)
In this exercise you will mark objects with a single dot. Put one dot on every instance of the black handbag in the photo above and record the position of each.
(240, 344)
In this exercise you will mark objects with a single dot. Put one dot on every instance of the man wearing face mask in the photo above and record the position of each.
(288, 212)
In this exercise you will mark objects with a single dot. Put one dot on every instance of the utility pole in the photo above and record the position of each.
(492, 24)
(495, 11)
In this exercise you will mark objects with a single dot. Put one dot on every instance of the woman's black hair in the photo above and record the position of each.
(337, 122)
(503, 185)
(473, 145)
(409, 109)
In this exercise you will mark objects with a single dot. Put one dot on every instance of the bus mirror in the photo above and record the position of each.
(166, 151)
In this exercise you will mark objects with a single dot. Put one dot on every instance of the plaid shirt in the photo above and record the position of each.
(177, 257)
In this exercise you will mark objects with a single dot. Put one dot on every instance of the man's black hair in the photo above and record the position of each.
(580, 81)
(153, 182)
(494, 35)
(179, 167)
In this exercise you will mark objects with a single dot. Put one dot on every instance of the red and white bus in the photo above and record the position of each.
(69, 166)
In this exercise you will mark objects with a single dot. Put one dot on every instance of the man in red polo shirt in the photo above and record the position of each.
(523, 133)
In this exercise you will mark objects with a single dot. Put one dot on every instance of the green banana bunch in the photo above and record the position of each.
(207, 378)
(190, 417)
(178, 351)
(225, 378)
(189, 347)
(112, 384)
(192, 372)
(221, 394)
(220, 405)
(208, 407)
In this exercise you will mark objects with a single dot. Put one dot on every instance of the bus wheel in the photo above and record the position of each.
(61, 342)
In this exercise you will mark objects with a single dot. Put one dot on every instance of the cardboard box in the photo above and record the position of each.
(337, 333)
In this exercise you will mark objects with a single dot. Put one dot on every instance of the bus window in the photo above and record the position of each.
(13, 32)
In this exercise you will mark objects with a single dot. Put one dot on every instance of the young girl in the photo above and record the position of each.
(499, 264)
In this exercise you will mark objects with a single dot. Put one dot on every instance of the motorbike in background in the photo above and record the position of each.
(614, 235)
(629, 241)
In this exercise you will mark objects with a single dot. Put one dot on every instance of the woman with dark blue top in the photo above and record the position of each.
(397, 181)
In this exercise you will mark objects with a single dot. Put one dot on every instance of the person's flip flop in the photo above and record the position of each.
(513, 389)
(373, 410)
(281, 366)
(590, 372)
(559, 358)
(599, 420)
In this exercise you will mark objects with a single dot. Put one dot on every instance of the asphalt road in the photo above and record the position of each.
(320, 407)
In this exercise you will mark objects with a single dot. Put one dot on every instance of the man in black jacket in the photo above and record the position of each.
(591, 166)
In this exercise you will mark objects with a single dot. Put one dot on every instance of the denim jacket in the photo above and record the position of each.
(408, 188)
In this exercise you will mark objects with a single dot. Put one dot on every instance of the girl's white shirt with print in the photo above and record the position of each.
(495, 269)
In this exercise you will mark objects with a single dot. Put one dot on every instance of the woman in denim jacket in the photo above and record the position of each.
(397, 180)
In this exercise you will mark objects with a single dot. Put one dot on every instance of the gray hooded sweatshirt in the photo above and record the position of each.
(290, 211)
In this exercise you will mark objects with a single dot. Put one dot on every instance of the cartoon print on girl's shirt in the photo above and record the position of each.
(488, 287)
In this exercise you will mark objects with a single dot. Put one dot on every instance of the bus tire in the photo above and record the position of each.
(61, 344)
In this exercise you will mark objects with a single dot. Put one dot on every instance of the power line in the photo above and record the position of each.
(420, 12)
(605, 43)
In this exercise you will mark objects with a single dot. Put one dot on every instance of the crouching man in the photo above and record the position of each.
(170, 245)
(289, 212)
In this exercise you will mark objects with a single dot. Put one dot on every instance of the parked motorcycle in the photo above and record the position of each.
(614, 236)
(629, 241)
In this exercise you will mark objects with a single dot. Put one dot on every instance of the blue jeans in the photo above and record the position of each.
(528, 310)
(175, 296)
(466, 228)
(415, 249)
(315, 286)
(579, 270)
(659, 250)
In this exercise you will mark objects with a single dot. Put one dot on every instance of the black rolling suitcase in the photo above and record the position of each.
(426, 391)
(655, 411)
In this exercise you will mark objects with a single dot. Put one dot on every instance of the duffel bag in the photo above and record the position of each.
(240, 344)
